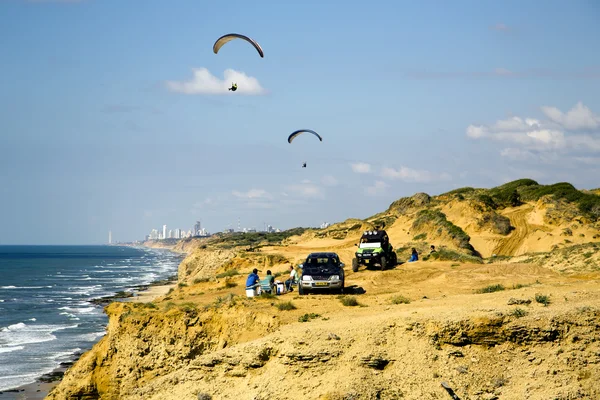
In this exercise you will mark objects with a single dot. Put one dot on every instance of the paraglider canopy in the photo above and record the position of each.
(298, 132)
(231, 36)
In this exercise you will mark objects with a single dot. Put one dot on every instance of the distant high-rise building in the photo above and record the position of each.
(164, 232)
(197, 228)
(170, 235)
(109, 237)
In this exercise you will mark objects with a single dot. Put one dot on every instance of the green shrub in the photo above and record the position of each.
(438, 218)
(487, 201)
(421, 236)
(491, 289)
(181, 285)
(308, 317)
(349, 301)
(226, 274)
(498, 223)
(451, 255)
(518, 313)
(400, 300)
(286, 306)
(229, 284)
(542, 299)
(464, 190)
(201, 280)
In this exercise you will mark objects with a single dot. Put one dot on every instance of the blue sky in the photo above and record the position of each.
(97, 135)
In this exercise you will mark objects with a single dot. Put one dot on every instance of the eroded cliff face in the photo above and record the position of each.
(246, 348)
(144, 341)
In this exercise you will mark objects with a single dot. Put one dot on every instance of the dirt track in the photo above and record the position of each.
(511, 245)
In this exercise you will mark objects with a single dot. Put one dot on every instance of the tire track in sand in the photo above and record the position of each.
(510, 245)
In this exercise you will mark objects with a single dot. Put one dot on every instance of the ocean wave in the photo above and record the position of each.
(8, 382)
(10, 349)
(64, 354)
(21, 333)
(90, 337)
(22, 287)
(78, 310)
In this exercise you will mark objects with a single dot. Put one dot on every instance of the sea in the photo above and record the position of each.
(45, 314)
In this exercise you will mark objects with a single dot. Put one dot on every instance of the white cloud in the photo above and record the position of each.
(203, 82)
(361, 168)
(305, 189)
(252, 194)
(412, 175)
(579, 117)
(329, 180)
(378, 188)
(554, 134)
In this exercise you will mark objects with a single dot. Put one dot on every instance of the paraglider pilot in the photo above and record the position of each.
(303, 165)
(233, 87)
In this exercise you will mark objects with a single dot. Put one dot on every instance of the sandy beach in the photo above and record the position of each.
(151, 293)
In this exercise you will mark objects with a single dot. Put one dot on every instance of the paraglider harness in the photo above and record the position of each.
(233, 87)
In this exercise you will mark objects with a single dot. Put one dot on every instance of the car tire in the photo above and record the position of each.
(383, 263)
(301, 290)
(354, 265)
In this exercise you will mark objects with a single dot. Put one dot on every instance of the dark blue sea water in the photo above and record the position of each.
(45, 314)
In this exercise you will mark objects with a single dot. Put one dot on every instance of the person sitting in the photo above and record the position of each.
(414, 256)
(252, 282)
(268, 283)
(293, 279)
(432, 249)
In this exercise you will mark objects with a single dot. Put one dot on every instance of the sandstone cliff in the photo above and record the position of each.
(509, 308)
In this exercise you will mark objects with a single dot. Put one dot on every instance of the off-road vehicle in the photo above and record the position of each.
(321, 271)
(374, 249)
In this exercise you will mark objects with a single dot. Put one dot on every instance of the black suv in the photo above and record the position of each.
(321, 271)
(374, 248)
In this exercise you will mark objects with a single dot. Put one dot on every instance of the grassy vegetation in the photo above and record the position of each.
(438, 218)
(542, 299)
(529, 190)
(400, 300)
(201, 280)
(308, 317)
(497, 223)
(491, 289)
(451, 255)
(229, 285)
(422, 236)
(464, 190)
(518, 313)
(349, 301)
(252, 239)
(181, 285)
(226, 274)
(286, 306)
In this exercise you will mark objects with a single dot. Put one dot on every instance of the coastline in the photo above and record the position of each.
(45, 383)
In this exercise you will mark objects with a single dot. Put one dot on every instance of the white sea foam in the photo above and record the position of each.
(78, 310)
(10, 349)
(21, 287)
(90, 337)
(20, 334)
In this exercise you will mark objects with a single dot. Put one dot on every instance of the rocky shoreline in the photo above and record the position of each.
(45, 383)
